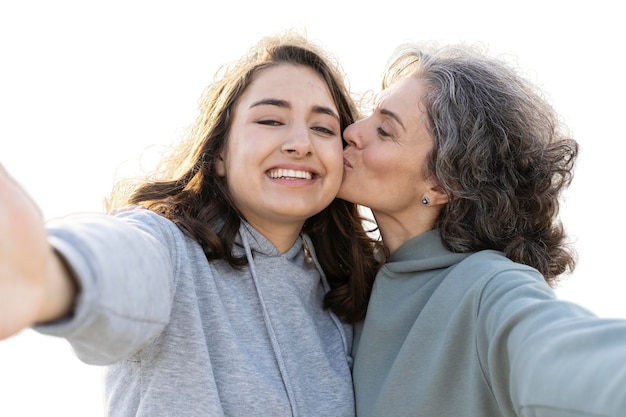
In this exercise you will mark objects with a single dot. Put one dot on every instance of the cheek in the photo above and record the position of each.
(332, 155)
(377, 162)
(391, 171)
(237, 166)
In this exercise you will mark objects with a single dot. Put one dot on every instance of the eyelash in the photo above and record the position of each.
(382, 132)
(320, 129)
(270, 122)
(325, 131)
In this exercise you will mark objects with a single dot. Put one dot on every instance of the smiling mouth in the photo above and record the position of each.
(290, 173)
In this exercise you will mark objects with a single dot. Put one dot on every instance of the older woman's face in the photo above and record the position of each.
(385, 157)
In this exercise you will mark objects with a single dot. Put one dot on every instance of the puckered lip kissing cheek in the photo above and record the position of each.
(346, 163)
(293, 174)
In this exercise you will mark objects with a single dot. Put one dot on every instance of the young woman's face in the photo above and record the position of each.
(386, 153)
(283, 160)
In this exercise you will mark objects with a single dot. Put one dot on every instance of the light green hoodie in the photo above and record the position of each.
(451, 335)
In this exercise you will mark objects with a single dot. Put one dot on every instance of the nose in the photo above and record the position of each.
(298, 142)
(352, 135)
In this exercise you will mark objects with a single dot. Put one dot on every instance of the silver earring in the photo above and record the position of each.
(425, 201)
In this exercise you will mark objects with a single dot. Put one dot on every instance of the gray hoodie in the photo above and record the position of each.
(185, 337)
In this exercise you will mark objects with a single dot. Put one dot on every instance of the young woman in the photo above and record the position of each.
(227, 283)
(462, 163)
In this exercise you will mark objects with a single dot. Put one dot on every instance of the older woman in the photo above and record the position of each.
(462, 163)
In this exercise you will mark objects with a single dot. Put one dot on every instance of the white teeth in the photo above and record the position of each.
(290, 173)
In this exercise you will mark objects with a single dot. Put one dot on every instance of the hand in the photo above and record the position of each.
(28, 292)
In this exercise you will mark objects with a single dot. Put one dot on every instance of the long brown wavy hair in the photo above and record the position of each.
(500, 153)
(187, 190)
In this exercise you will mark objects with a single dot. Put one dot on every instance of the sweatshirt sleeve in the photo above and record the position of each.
(549, 357)
(125, 272)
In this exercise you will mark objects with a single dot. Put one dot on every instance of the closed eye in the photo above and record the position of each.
(382, 133)
(324, 130)
(270, 122)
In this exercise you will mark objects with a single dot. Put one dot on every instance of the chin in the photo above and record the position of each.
(298, 213)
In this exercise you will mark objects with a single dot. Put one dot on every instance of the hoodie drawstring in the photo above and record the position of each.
(270, 330)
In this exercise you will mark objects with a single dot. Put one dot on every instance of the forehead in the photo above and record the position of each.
(405, 100)
(286, 79)
(404, 93)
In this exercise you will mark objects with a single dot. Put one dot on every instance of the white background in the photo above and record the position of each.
(87, 86)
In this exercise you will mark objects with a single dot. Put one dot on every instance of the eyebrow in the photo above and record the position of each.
(394, 116)
(285, 104)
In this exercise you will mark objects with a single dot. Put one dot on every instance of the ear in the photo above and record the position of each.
(436, 194)
(220, 165)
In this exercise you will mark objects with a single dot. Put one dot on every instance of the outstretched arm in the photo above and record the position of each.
(35, 285)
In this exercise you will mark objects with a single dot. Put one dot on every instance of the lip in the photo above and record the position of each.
(346, 163)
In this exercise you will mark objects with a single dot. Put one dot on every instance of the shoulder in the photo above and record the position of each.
(162, 231)
(493, 273)
(504, 288)
(139, 216)
(492, 262)
(150, 222)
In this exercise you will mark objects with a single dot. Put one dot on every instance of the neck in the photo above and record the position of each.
(282, 236)
(396, 231)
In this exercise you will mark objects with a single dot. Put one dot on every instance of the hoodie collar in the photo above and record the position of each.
(260, 244)
(421, 253)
